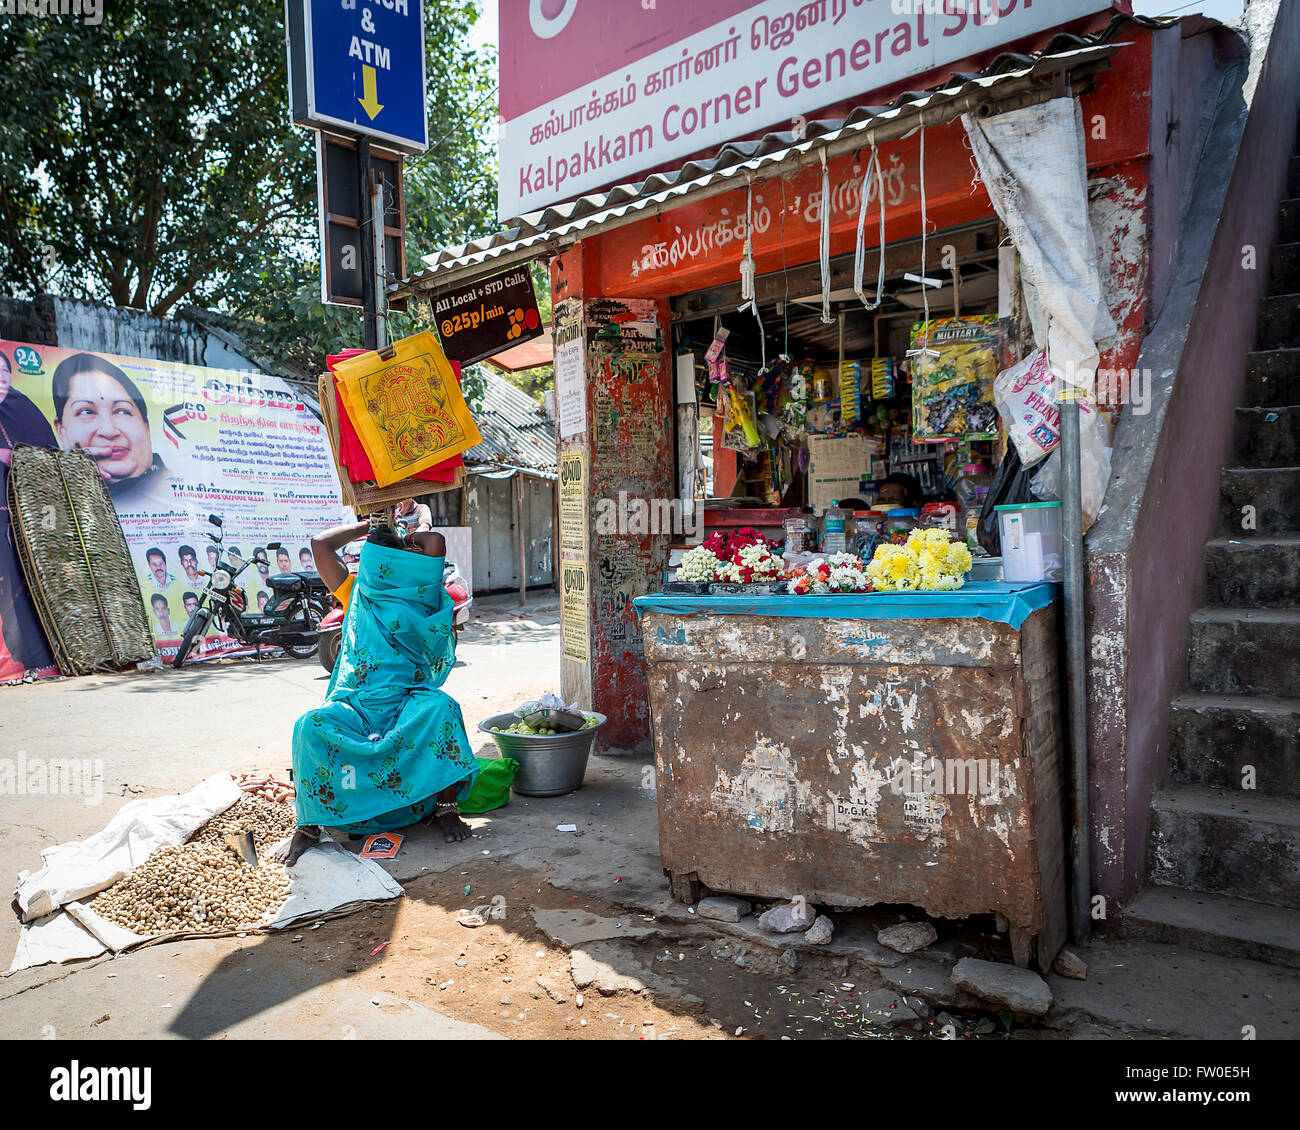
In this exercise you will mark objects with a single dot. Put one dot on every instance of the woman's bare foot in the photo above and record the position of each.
(304, 836)
(453, 827)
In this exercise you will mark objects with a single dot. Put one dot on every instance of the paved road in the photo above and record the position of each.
(159, 733)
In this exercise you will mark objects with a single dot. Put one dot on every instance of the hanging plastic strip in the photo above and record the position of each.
(860, 250)
(747, 271)
(827, 320)
(926, 283)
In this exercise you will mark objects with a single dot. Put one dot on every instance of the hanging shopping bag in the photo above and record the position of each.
(408, 410)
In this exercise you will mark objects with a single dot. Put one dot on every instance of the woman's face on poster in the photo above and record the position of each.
(6, 376)
(101, 416)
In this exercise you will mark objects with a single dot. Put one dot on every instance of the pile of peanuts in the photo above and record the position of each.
(269, 822)
(264, 785)
(194, 887)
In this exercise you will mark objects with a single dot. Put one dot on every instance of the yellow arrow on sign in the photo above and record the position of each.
(371, 101)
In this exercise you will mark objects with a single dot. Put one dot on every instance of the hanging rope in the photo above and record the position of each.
(860, 250)
(925, 282)
(747, 270)
(826, 242)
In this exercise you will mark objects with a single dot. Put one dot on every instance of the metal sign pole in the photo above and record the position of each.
(378, 214)
(369, 296)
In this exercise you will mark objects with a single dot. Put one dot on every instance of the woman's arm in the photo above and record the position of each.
(325, 547)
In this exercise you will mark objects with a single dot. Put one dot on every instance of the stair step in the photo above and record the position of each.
(1244, 651)
(1214, 738)
(1288, 228)
(1268, 437)
(1284, 269)
(1273, 495)
(1253, 572)
(1273, 377)
(1237, 844)
(1278, 323)
(1216, 924)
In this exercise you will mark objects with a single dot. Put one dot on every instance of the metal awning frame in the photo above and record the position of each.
(993, 94)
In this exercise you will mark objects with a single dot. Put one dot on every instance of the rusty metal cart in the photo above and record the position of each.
(883, 748)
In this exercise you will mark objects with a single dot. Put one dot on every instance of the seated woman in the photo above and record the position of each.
(387, 748)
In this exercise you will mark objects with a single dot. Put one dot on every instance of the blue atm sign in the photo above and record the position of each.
(357, 67)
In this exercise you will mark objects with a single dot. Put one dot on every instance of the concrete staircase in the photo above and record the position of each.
(1224, 862)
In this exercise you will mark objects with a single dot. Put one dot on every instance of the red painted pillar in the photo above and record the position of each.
(624, 456)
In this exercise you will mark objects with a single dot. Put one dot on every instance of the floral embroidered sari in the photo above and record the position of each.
(386, 741)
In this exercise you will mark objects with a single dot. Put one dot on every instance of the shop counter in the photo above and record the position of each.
(897, 748)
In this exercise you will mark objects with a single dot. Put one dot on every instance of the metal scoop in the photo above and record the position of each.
(241, 843)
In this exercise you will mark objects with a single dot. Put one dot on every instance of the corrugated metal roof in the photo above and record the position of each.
(517, 431)
(551, 228)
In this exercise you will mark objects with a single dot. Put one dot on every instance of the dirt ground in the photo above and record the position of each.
(489, 975)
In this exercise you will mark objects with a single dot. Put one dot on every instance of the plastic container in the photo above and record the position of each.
(900, 522)
(969, 479)
(868, 533)
(1032, 545)
(943, 516)
(798, 534)
(549, 764)
(970, 520)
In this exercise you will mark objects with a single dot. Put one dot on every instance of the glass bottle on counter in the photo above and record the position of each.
(972, 487)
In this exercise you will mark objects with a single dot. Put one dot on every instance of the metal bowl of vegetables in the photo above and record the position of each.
(552, 761)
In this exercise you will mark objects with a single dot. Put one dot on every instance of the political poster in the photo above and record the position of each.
(174, 443)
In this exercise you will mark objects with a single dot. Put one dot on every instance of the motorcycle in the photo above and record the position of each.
(331, 628)
(291, 619)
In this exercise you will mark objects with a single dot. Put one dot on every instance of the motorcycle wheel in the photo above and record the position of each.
(307, 650)
(193, 627)
(329, 650)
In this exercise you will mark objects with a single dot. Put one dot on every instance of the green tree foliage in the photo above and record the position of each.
(148, 161)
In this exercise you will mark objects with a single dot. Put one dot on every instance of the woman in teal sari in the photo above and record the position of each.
(387, 748)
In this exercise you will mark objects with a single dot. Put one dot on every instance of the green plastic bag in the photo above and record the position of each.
(492, 786)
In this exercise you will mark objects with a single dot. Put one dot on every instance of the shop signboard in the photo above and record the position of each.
(357, 68)
(484, 317)
(646, 85)
(175, 443)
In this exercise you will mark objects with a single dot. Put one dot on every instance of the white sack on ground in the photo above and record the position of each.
(77, 869)
(1034, 166)
(327, 881)
(55, 938)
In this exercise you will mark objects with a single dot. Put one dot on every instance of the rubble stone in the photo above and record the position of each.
(820, 932)
(1020, 990)
(907, 937)
(723, 908)
(1070, 965)
(788, 917)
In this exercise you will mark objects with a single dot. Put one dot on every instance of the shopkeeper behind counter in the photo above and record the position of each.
(900, 489)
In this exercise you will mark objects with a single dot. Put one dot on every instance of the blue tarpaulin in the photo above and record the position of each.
(1007, 602)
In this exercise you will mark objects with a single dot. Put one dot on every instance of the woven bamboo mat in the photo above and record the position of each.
(74, 554)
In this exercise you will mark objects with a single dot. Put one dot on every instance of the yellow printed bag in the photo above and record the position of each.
(408, 411)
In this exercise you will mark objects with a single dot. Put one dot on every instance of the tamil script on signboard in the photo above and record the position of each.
(662, 85)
